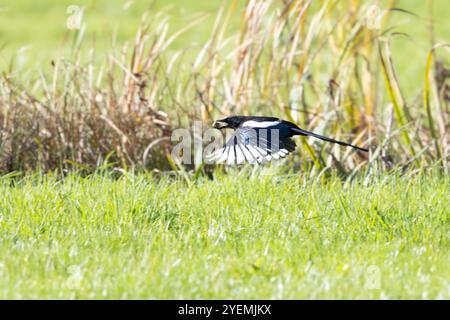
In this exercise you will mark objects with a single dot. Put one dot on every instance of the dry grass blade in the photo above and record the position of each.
(394, 94)
(427, 103)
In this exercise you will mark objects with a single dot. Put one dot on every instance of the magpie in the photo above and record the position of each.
(260, 139)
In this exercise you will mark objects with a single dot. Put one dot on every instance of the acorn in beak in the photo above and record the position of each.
(219, 124)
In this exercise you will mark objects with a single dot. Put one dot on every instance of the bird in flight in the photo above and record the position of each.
(260, 139)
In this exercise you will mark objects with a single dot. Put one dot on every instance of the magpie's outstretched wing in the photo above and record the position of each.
(253, 145)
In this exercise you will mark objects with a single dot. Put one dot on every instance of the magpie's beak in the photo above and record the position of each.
(220, 124)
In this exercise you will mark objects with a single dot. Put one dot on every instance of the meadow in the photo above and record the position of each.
(93, 204)
(241, 236)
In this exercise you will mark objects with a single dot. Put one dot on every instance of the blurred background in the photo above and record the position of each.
(34, 32)
(123, 74)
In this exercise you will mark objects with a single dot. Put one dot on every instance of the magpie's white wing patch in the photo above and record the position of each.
(260, 124)
(248, 145)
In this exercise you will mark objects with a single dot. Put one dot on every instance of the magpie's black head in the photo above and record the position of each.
(230, 122)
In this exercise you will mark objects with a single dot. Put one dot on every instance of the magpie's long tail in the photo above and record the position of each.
(318, 136)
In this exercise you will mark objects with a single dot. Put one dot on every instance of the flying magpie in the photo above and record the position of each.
(260, 139)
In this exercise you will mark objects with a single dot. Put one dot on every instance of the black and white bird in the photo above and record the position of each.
(260, 139)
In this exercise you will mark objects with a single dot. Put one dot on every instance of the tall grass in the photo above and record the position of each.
(324, 65)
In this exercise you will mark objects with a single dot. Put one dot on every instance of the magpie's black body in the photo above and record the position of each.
(261, 139)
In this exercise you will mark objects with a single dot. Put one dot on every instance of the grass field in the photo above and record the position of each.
(234, 237)
(81, 110)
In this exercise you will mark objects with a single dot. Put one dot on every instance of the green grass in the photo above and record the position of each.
(238, 236)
